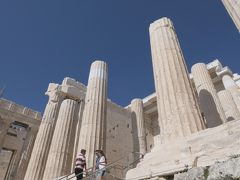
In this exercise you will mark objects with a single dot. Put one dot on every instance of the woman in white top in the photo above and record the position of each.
(101, 163)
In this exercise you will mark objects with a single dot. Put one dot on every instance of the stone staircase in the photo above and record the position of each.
(201, 149)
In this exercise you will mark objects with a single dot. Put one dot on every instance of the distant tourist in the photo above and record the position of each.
(101, 163)
(80, 164)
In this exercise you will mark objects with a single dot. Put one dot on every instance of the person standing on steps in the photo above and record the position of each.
(80, 164)
(101, 163)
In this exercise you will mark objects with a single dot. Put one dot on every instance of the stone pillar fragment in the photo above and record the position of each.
(178, 111)
(137, 109)
(209, 102)
(93, 128)
(43, 140)
(233, 8)
(60, 153)
(229, 106)
(230, 85)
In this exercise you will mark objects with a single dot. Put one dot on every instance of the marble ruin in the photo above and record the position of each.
(18, 130)
(233, 9)
(191, 121)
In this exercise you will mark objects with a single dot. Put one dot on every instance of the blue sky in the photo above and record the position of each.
(45, 41)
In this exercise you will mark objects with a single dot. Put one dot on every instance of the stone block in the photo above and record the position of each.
(72, 92)
(72, 82)
(197, 173)
(225, 170)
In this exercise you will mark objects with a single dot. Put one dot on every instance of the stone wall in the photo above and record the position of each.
(119, 137)
(152, 131)
(18, 128)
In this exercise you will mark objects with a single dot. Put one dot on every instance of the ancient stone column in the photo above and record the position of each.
(229, 106)
(209, 102)
(230, 85)
(43, 140)
(77, 133)
(233, 8)
(178, 111)
(60, 153)
(93, 126)
(26, 152)
(137, 109)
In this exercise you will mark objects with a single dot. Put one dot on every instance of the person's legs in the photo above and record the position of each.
(97, 176)
(78, 173)
(102, 175)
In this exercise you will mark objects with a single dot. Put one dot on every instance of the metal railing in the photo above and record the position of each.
(90, 173)
(72, 174)
(115, 165)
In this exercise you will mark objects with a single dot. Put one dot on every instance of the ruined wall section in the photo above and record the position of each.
(119, 136)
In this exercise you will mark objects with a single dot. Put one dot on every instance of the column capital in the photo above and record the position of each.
(236, 77)
(136, 100)
(163, 22)
(215, 65)
(73, 89)
(225, 71)
(54, 92)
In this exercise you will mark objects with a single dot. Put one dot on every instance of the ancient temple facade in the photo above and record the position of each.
(18, 129)
(192, 120)
(83, 119)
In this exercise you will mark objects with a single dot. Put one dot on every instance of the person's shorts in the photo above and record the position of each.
(100, 173)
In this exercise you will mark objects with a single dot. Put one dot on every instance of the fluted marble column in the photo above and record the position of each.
(178, 111)
(230, 85)
(77, 133)
(93, 126)
(233, 8)
(43, 140)
(229, 106)
(137, 109)
(60, 153)
(209, 102)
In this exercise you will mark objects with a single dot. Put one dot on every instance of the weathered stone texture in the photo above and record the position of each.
(208, 99)
(230, 85)
(198, 173)
(43, 140)
(60, 154)
(178, 111)
(229, 106)
(137, 110)
(93, 126)
(227, 170)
